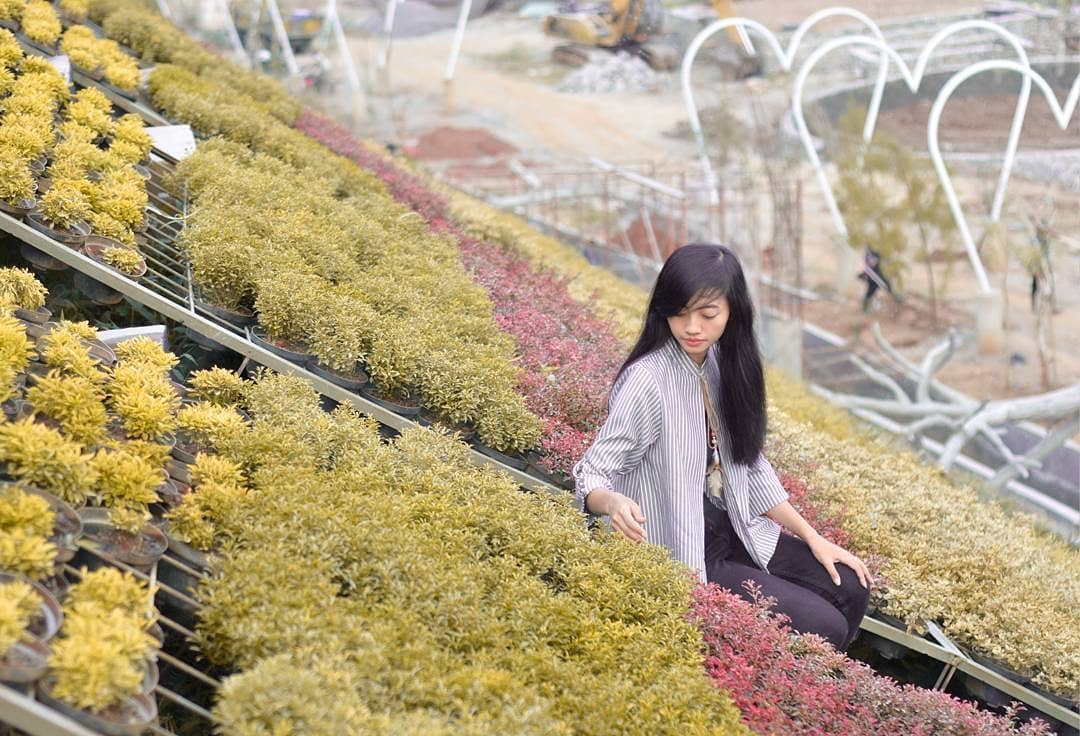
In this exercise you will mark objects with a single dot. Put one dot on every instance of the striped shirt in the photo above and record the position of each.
(652, 448)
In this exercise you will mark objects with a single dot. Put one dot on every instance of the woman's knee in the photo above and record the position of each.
(823, 620)
(854, 597)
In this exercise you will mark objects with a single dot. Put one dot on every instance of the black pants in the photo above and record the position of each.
(799, 583)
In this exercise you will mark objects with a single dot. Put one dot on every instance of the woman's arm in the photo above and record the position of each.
(827, 553)
(631, 428)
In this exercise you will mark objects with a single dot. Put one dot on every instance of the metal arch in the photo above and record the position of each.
(787, 58)
(1021, 102)
(388, 32)
(913, 79)
(383, 58)
(1063, 115)
(459, 37)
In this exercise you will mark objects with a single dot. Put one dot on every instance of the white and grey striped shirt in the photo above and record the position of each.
(652, 448)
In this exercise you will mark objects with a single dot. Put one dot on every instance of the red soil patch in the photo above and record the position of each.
(449, 143)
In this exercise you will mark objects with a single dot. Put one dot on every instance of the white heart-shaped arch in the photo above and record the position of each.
(913, 78)
(1062, 115)
(787, 59)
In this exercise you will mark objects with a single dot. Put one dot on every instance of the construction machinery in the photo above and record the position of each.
(635, 26)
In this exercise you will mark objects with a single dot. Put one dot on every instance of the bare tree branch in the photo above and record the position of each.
(931, 364)
(1049, 405)
(880, 378)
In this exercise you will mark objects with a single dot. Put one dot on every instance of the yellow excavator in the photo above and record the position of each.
(634, 25)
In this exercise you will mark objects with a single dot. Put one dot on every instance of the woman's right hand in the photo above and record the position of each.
(626, 518)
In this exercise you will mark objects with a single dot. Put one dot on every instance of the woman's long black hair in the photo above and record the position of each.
(701, 270)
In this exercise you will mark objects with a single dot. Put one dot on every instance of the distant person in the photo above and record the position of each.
(875, 278)
(678, 460)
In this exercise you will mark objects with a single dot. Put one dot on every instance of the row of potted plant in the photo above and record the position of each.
(992, 581)
(357, 283)
(100, 58)
(84, 169)
(786, 683)
(154, 40)
(433, 592)
(450, 645)
(37, 19)
(596, 291)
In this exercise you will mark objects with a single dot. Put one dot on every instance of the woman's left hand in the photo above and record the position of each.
(828, 554)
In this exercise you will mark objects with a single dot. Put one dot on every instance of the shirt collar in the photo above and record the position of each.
(679, 356)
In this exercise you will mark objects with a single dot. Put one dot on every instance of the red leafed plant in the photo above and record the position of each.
(787, 683)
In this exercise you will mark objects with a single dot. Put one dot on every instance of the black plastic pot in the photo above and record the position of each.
(371, 393)
(517, 462)
(350, 381)
(1000, 667)
(556, 479)
(96, 291)
(259, 337)
(240, 319)
(37, 316)
(39, 260)
(72, 236)
(17, 209)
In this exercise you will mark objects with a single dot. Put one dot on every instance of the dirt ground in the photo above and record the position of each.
(981, 124)
(504, 83)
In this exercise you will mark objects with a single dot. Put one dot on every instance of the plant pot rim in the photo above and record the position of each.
(73, 235)
(94, 246)
(52, 616)
(142, 711)
(260, 337)
(38, 316)
(34, 650)
(97, 516)
(375, 394)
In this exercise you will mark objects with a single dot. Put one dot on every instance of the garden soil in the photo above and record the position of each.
(503, 98)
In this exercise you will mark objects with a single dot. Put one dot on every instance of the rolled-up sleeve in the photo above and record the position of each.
(765, 489)
(632, 426)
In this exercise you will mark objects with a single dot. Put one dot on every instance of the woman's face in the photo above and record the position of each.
(699, 325)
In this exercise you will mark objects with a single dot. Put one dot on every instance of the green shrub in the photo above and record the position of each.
(40, 22)
(42, 457)
(950, 557)
(408, 576)
(15, 353)
(216, 386)
(17, 182)
(65, 204)
(210, 426)
(114, 590)
(22, 510)
(65, 349)
(144, 400)
(26, 523)
(11, 10)
(18, 604)
(74, 403)
(125, 481)
(98, 658)
(19, 288)
(147, 352)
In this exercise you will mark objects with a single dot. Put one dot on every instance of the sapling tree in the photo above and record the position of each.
(886, 194)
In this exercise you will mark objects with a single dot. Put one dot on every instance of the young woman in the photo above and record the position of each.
(678, 460)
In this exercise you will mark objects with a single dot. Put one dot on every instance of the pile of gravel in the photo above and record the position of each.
(617, 72)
